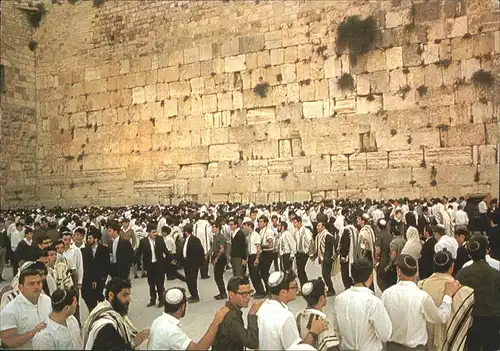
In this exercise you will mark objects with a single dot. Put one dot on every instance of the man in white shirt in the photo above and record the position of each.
(277, 327)
(483, 209)
(16, 235)
(254, 254)
(304, 241)
(461, 217)
(165, 332)
(26, 315)
(411, 308)
(267, 247)
(287, 246)
(74, 259)
(62, 331)
(360, 319)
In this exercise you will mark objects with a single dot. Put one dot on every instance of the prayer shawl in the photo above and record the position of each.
(105, 314)
(354, 249)
(452, 335)
(367, 241)
(321, 244)
(413, 245)
(326, 340)
(443, 218)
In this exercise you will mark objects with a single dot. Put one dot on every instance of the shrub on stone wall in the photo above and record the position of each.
(35, 16)
(346, 82)
(261, 89)
(32, 44)
(483, 79)
(356, 35)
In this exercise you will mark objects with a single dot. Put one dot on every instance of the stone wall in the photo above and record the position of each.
(140, 102)
(17, 108)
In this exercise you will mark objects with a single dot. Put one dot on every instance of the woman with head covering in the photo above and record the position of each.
(413, 245)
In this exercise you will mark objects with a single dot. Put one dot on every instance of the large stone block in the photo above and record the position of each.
(261, 116)
(394, 57)
(459, 155)
(226, 152)
(393, 178)
(234, 63)
(406, 159)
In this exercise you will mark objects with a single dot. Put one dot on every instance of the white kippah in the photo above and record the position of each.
(307, 288)
(383, 222)
(275, 279)
(174, 296)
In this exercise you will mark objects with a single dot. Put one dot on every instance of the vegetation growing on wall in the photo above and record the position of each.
(32, 44)
(261, 89)
(483, 79)
(356, 35)
(35, 16)
(346, 82)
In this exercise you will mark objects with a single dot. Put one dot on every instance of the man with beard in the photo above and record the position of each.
(95, 269)
(166, 333)
(108, 326)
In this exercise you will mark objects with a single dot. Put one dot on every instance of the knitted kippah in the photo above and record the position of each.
(174, 296)
(276, 278)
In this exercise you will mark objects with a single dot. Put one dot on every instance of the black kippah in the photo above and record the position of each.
(442, 258)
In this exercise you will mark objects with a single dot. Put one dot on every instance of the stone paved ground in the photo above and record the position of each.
(198, 315)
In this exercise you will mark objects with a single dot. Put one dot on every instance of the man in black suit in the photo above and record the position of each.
(121, 253)
(461, 236)
(95, 269)
(239, 248)
(154, 251)
(426, 260)
(194, 257)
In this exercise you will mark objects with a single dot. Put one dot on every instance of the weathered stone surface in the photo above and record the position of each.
(181, 115)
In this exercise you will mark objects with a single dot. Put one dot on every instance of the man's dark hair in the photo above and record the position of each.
(114, 225)
(284, 225)
(172, 308)
(166, 229)
(318, 290)
(66, 234)
(249, 224)
(151, 227)
(264, 218)
(62, 298)
(115, 285)
(462, 230)
(289, 276)
(188, 228)
(361, 270)
(217, 225)
(41, 239)
(80, 230)
(408, 265)
(27, 273)
(235, 282)
(298, 218)
(322, 222)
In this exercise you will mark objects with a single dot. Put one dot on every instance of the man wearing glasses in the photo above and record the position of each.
(232, 334)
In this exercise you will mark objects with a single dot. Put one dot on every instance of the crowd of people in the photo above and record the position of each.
(417, 275)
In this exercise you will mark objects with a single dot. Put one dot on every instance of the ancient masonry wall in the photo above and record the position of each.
(18, 118)
(147, 101)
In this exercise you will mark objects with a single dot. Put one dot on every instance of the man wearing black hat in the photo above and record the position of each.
(485, 280)
(154, 251)
(95, 269)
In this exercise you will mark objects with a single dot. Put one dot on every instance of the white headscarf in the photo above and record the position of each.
(413, 245)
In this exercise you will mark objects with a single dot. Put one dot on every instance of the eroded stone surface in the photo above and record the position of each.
(250, 109)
